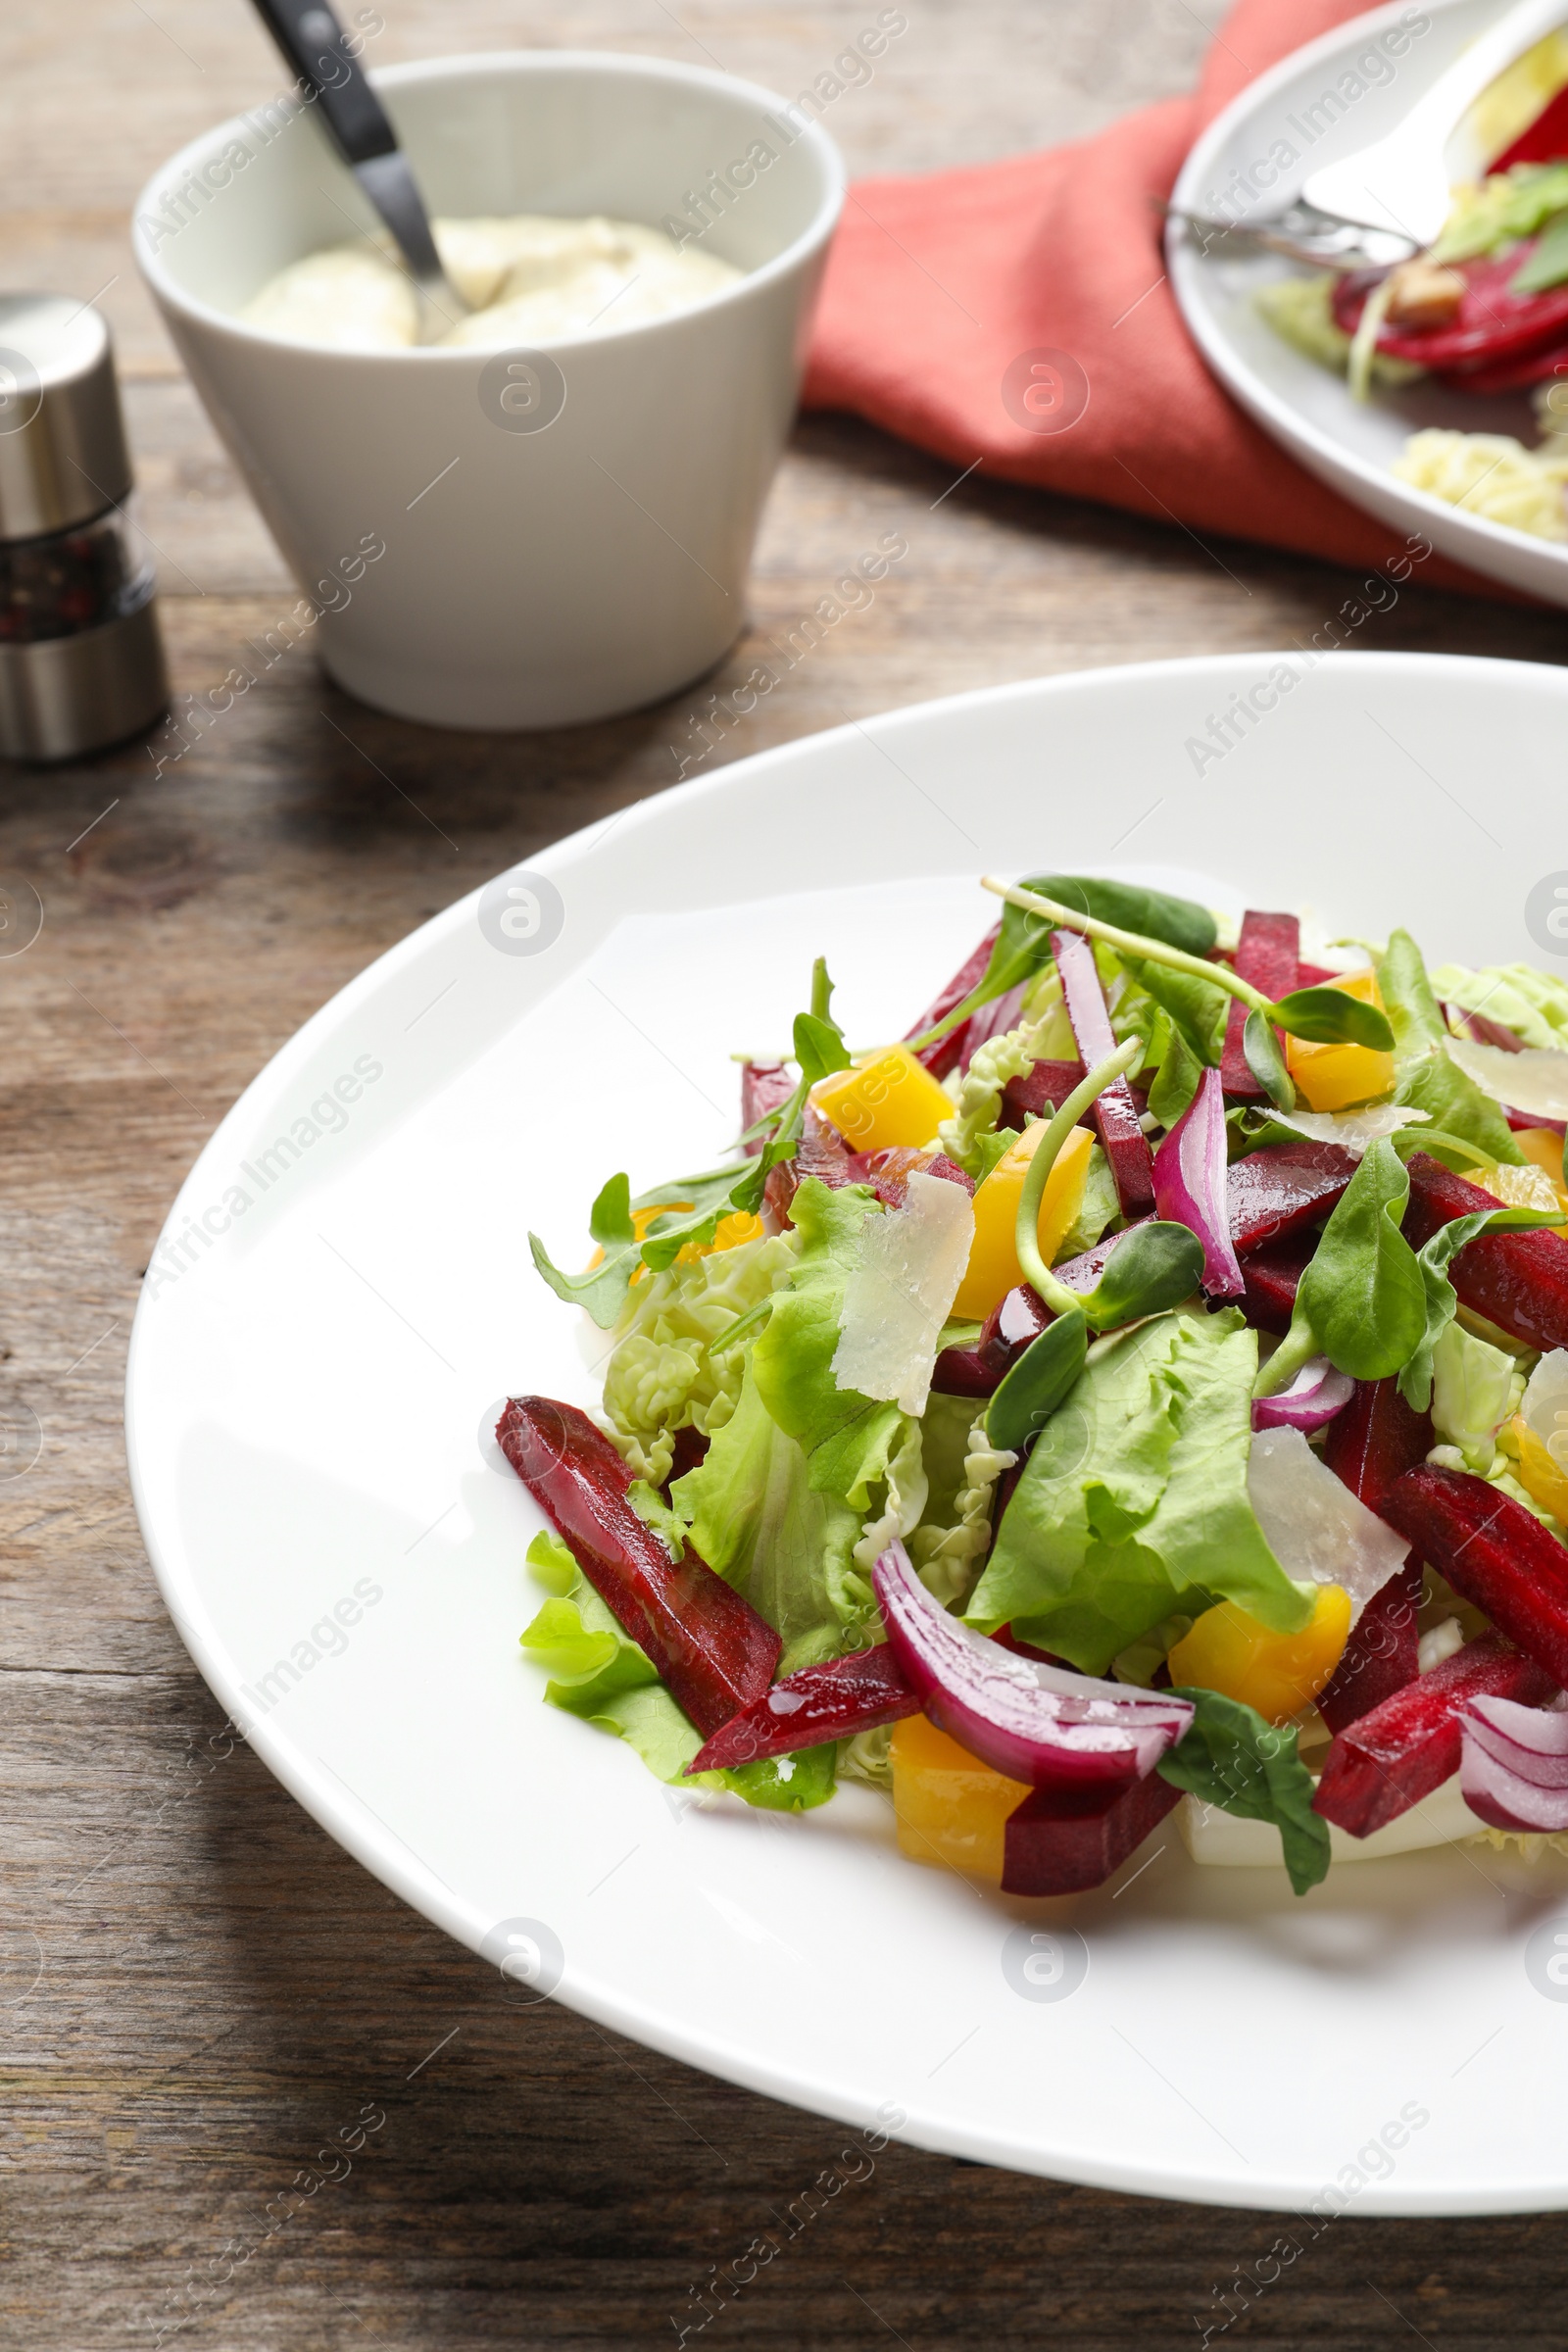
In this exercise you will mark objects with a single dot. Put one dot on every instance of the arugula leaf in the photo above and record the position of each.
(1099, 1209)
(1426, 1078)
(1230, 1758)
(819, 1048)
(1441, 1305)
(602, 1289)
(1457, 1106)
(1024, 943)
(1179, 922)
(1031, 1390)
(692, 1208)
(1177, 1079)
(1196, 1007)
(1328, 1017)
(1152, 1267)
(1409, 1001)
(1362, 1298)
(1265, 1060)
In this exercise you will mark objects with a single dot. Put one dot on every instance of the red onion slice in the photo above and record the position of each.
(1190, 1185)
(1039, 1724)
(1513, 1770)
(1316, 1393)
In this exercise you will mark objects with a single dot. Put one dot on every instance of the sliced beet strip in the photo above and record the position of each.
(1115, 1115)
(1064, 1841)
(704, 1639)
(1267, 953)
(1272, 1276)
(1390, 1758)
(834, 1700)
(1518, 1281)
(1493, 1552)
(1373, 1441)
(946, 1053)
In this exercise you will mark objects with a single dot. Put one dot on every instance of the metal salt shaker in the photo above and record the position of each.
(82, 662)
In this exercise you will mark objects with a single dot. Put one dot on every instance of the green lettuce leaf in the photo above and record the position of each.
(1232, 1758)
(600, 1674)
(676, 1363)
(752, 1516)
(1133, 1506)
(847, 1436)
(1474, 1388)
(784, 1783)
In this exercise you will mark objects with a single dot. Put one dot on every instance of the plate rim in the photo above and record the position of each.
(1487, 547)
(379, 1849)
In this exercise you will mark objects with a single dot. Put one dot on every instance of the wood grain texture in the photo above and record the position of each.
(197, 1989)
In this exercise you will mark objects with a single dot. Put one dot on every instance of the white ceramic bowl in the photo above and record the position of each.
(531, 576)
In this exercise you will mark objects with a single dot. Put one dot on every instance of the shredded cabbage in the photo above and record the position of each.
(907, 1488)
(661, 1376)
(1012, 1055)
(1533, 1004)
(1474, 1388)
(946, 1557)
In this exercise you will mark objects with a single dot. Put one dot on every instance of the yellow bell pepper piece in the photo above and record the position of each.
(951, 1809)
(1540, 1473)
(1543, 1147)
(1333, 1077)
(1229, 1651)
(888, 1101)
(994, 1269)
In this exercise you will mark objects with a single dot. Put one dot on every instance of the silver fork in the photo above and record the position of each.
(1301, 233)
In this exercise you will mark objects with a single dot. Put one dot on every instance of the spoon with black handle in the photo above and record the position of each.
(312, 43)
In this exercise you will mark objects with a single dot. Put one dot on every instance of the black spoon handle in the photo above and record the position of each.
(313, 41)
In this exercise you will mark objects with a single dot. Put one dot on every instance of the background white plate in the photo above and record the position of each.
(1309, 410)
(308, 1393)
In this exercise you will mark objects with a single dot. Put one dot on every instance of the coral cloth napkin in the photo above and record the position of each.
(939, 288)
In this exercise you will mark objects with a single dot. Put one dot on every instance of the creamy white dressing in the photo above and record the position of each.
(531, 278)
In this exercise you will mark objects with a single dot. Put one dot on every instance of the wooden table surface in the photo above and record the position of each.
(195, 1984)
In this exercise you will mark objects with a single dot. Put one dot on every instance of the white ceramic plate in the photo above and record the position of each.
(1305, 407)
(310, 1390)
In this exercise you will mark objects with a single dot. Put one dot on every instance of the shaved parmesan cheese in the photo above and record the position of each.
(1212, 1837)
(1352, 1130)
(1534, 1081)
(912, 1260)
(1318, 1530)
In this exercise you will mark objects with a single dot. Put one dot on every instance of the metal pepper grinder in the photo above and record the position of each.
(81, 662)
